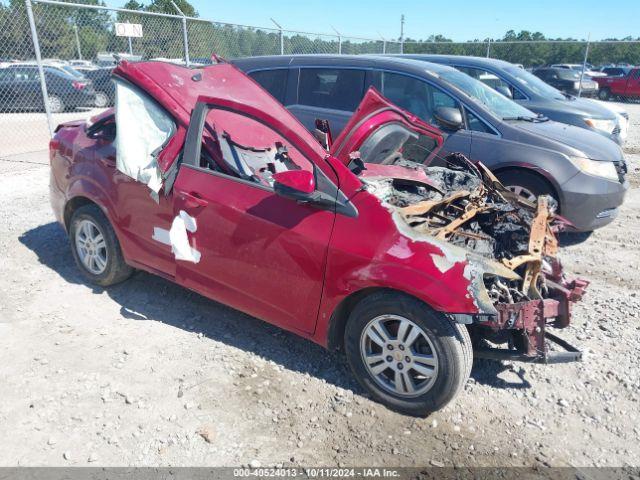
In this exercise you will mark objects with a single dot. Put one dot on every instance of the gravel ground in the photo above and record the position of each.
(148, 373)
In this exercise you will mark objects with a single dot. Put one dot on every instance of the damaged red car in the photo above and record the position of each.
(355, 243)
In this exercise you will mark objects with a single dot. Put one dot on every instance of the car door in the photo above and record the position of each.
(332, 94)
(422, 99)
(242, 244)
(633, 84)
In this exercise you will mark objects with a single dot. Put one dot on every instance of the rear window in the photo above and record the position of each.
(339, 89)
(273, 81)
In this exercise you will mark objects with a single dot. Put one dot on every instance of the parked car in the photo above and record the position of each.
(615, 71)
(533, 156)
(568, 81)
(532, 93)
(626, 86)
(366, 252)
(577, 67)
(103, 85)
(20, 89)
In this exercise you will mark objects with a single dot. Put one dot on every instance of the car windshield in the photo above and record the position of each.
(532, 83)
(495, 102)
(568, 74)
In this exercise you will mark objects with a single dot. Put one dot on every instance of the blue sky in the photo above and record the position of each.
(459, 20)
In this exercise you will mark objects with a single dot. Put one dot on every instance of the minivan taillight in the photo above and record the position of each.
(78, 85)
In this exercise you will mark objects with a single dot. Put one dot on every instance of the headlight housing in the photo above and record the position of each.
(599, 169)
(603, 125)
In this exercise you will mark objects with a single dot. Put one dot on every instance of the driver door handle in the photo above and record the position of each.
(194, 200)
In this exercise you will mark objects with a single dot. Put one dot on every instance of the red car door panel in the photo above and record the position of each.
(252, 249)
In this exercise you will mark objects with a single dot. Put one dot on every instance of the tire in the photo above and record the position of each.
(438, 337)
(102, 99)
(56, 105)
(604, 94)
(526, 184)
(89, 223)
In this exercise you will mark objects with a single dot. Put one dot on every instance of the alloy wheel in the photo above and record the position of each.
(91, 247)
(101, 100)
(55, 104)
(523, 192)
(399, 355)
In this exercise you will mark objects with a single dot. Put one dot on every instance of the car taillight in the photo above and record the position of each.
(78, 85)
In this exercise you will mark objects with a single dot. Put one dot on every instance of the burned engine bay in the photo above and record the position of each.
(515, 277)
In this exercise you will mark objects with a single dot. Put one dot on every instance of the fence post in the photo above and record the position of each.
(488, 47)
(43, 82)
(584, 64)
(185, 34)
(281, 36)
(75, 30)
(339, 40)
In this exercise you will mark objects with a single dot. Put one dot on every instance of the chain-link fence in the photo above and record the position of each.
(88, 38)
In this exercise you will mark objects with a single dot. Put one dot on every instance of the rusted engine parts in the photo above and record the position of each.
(467, 206)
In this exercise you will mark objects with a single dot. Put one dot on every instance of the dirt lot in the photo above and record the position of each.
(130, 375)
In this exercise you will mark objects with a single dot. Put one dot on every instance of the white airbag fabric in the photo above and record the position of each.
(143, 128)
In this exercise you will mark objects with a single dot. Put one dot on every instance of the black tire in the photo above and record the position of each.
(529, 181)
(604, 94)
(450, 343)
(116, 270)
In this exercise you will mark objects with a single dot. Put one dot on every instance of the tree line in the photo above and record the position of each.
(58, 26)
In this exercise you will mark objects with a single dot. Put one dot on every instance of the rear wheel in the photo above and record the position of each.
(604, 94)
(56, 105)
(409, 357)
(102, 100)
(95, 247)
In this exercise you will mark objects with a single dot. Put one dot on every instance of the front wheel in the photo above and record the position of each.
(409, 357)
(528, 186)
(101, 100)
(56, 105)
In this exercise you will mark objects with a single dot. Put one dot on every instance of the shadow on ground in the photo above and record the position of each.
(149, 297)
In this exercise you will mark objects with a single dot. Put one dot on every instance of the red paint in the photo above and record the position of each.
(289, 263)
(626, 86)
(300, 180)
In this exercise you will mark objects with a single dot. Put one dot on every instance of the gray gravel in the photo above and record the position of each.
(148, 373)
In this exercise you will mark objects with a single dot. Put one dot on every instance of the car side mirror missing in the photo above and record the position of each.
(449, 118)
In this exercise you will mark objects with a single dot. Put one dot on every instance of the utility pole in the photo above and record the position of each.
(339, 40)
(281, 36)
(75, 30)
(402, 33)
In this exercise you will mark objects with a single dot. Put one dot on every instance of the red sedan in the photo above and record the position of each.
(361, 244)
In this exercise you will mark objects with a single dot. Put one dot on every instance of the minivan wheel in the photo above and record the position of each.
(526, 185)
(409, 357)
(604, 94)
(95, 247)
(56, 105)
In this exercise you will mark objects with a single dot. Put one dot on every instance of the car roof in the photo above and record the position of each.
(447, 59)
(350, 61)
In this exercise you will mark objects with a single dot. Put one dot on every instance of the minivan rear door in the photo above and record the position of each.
(332, 94)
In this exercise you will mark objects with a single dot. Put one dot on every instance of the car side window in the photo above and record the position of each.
(241, 147)
(414, 95)
(273, 81)
(339, 89)
(492, 80)
(477, 125)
